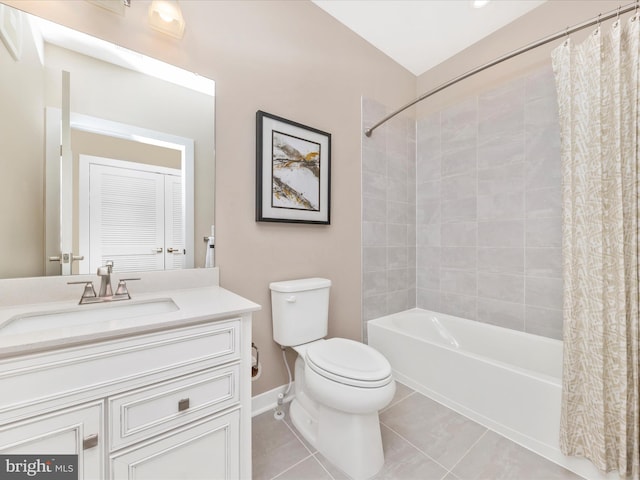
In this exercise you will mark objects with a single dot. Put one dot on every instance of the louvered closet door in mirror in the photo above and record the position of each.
(174, 223)
(130, 220)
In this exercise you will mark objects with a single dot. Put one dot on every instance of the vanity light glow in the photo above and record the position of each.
(480, 3)
(166, 17)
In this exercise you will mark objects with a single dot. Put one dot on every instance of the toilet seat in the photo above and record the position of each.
(348, 362)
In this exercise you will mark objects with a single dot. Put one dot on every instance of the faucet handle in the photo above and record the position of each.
(122, 286)
(88, 293)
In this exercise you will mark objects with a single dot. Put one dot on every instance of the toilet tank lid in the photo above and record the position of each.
(300, 285)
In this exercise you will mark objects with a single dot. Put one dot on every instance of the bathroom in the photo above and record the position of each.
(331, 73)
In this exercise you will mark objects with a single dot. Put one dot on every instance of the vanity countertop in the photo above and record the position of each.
(194, 305)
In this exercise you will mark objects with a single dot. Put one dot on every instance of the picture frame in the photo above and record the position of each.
(11, 30)
(293, 171)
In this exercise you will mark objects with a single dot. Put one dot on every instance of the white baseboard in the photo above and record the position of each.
(269, 400)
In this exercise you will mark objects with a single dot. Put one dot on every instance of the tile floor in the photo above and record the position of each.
(422, 440)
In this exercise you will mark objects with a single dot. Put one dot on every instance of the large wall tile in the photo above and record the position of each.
(544, 292)
(374, 209)
(458, 257)
(374, 234)
(461, 210)
(458, 161)
(428, 211)
(500, 286)
(373, 160)
(397, 189)
(374, 185)
(374, 283)
(459, 234)
(374, 259)
(428, 299)
(428, 278)
(500, 260)
(544, 321)
(397, 234)
(501, 313)
(374, 306)
(501, 206)
(457, 187)
(544, 232)
(463, 306)
(397, 257)
(501, 233)
(397, 279)
(544, 202)
(397, 301)
(501, 179)
(543, 262)
(501, 151)
(397, 212)
(458, 281)
(428, 234)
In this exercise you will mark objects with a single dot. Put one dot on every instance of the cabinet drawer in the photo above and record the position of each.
(98, 367)
(148, 411)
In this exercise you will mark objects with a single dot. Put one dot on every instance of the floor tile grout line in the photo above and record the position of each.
(315, 455)
(486, 430)
(391, 405)
(414, 446)
(292, 466)
(298, 437)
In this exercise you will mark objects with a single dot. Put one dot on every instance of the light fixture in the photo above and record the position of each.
(480, 3)
(166, 17)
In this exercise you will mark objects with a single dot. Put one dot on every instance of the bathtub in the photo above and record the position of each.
(506, 380)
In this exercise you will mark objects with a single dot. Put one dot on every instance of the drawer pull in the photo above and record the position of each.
(183, 405)
(90, 442)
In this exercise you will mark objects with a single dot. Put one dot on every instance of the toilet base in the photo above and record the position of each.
(351, 442)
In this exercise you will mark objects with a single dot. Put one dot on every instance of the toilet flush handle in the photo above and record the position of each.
(291, 299)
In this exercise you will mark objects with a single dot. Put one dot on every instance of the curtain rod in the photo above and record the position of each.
(589, 23)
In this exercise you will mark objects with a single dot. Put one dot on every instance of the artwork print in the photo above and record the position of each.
(292, 171)
(295, 172)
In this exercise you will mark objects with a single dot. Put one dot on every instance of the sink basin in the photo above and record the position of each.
(84, 314)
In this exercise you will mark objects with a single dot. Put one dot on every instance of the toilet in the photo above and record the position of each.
(340, 384)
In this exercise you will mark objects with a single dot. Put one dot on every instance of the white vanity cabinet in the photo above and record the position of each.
(167, 404)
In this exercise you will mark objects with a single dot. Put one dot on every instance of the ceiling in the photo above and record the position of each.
(420, 34)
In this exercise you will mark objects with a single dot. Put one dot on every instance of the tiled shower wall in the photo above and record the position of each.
(388, 214)
(487, 209)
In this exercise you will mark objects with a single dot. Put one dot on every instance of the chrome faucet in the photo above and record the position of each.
(104, 273)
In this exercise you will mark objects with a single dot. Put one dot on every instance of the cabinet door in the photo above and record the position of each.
(207, 449)
(76, 430)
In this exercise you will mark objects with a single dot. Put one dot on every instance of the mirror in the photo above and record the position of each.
(104, 153)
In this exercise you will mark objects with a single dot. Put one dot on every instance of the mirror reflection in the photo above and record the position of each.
(100, 150)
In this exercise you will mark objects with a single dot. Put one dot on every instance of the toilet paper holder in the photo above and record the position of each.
(255, 360)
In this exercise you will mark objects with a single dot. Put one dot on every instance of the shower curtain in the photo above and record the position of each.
(597, 84)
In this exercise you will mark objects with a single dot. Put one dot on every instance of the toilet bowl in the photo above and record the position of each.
(340, 384)
(336, 404)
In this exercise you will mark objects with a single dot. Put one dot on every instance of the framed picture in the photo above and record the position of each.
(293, 171)
(11, 30)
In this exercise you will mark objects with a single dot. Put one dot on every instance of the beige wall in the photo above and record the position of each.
(21, 157)
(293, 60)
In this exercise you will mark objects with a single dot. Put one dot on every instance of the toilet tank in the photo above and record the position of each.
(300, 310)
